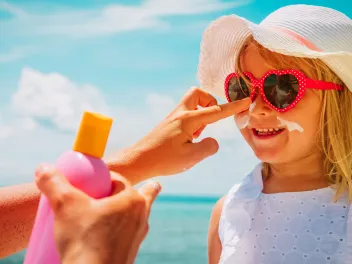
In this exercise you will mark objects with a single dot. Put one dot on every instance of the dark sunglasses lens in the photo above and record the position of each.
(238, 89)
(281, 90)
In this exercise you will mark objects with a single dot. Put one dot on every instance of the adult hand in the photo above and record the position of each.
(108, 230)
(169, 148)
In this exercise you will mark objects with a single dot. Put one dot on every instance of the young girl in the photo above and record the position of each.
(296, 66)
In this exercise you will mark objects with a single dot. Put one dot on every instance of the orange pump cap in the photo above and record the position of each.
(92, 135)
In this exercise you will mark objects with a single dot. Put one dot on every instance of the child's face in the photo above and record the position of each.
(287, 146)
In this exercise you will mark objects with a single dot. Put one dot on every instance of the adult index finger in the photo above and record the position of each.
(215, 113)
(57, 189)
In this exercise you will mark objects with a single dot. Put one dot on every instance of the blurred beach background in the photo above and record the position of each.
(132, 60)
(178, 232)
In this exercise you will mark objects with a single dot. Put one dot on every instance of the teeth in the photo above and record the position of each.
(267, 129)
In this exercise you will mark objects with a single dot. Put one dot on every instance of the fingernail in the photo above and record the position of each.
(155, 184)
(40, 169)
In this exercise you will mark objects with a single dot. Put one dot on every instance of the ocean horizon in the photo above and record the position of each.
(178, 231)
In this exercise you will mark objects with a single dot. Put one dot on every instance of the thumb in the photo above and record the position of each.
(203, 149)
(150, 191)
(56, 188)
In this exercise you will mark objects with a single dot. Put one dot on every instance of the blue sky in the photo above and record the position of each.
(130, 59)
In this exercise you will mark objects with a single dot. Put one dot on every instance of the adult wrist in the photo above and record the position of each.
(84, 255)
(130, 163)
(84, 258)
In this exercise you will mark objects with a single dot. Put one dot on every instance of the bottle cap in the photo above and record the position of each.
(93, 134)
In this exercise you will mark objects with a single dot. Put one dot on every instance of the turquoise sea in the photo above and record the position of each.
(178, 232)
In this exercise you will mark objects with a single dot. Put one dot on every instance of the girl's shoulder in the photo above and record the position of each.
(249, 188)
(231, 204)
(219, 208)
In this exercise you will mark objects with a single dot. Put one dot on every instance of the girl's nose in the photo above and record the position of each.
(259, 107)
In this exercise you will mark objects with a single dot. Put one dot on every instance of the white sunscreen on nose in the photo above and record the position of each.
(252, 106)
(291, 126)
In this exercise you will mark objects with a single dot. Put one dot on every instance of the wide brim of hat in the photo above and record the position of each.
(224, 38)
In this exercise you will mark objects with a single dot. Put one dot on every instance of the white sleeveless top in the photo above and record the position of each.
(284, 228)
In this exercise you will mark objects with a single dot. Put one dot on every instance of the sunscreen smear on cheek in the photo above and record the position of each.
(242, 120)
(291, 126)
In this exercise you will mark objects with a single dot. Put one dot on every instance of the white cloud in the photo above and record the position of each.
(17, 53)
(51, 98)
(5, 131)
(187, 7)
(55, 98)
(12, 9)
(110, 19)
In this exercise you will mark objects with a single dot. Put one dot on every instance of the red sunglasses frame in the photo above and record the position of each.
(303, 82)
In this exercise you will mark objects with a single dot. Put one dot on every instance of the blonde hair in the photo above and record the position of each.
(335, 134)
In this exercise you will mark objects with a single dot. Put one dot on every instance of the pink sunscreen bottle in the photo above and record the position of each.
(84, 168)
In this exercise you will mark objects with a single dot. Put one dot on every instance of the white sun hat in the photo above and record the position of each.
(295, 30)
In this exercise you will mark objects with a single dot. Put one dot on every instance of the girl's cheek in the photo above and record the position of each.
(291, 126)
(242, 120)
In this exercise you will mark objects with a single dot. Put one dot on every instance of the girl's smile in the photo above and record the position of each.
(265, 133)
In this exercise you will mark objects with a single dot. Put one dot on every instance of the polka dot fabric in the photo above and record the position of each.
(289, 228)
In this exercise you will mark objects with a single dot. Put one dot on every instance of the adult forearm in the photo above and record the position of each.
(131, 163)
(18, 207)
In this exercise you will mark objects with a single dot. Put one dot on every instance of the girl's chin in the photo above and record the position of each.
(268, 155)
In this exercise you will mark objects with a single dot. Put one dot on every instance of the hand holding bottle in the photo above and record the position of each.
(88, 230)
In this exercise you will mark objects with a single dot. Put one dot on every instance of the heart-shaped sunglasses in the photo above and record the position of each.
(280, 89)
